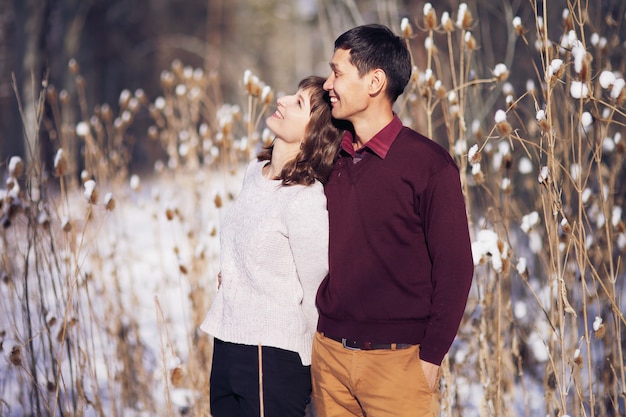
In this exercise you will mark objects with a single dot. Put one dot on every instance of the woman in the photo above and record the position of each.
(274, 254)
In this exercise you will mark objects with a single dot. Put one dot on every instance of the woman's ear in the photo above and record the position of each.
(378, 81)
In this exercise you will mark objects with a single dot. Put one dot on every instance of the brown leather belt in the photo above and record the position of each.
(357, 345)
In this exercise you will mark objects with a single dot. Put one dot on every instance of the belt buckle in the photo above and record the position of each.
(343, 343)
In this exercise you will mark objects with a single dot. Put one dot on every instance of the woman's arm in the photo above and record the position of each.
(307, 224)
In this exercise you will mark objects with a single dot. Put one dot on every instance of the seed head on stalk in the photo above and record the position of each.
(446, 22)
(504, 127)
(430, 17)
(60, 163)
(91, 192)
(517, 25)
(501, 72)
(406, 28)
(16, 167)
(464, 17)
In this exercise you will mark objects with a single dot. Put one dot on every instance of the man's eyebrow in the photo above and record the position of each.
(333, 66)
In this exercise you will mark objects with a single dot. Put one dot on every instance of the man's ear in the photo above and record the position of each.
(378, 81)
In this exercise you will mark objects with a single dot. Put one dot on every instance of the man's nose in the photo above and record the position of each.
(328, 84)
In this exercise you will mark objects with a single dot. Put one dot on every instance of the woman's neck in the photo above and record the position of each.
(282, 153)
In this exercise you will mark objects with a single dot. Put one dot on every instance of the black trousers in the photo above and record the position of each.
(235, 382)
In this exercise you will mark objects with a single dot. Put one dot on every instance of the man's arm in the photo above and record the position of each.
(449, 246)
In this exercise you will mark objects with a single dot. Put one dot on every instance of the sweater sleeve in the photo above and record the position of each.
(449, 246)
(307, 225)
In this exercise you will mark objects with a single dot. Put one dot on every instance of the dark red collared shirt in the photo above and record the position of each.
(379, 144)
(400, 262)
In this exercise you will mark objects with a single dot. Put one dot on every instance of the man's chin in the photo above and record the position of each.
(336, 113)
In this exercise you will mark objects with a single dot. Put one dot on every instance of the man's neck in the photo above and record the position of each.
(368, 125)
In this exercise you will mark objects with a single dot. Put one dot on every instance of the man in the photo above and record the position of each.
(400, 264)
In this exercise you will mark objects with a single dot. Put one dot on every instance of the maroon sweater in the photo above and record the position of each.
(400, 262)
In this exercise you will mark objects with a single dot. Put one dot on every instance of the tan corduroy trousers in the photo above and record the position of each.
(371, 383)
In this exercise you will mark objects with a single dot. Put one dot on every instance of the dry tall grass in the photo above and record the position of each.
(106, 279)
(544, 185)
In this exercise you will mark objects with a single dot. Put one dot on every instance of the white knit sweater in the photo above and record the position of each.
(274, 255)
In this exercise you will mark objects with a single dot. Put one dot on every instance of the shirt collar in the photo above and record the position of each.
(379, 143)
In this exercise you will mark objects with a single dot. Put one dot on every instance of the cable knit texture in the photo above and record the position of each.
(274, 254)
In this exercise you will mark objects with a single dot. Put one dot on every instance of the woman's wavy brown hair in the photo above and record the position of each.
(320, 143)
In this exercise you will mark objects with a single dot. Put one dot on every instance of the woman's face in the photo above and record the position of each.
(291, 117)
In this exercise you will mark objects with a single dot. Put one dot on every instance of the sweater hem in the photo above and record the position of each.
(410, 332)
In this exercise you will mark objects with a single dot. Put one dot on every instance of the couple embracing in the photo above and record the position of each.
(345, 259)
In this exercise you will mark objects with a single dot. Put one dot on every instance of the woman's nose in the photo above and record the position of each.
(282, 101)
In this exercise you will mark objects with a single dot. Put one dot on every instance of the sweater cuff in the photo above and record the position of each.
(432, 355)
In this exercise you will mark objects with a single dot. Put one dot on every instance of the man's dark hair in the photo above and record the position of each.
(376, 46)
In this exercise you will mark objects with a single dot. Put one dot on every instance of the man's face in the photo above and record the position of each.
(348, 92)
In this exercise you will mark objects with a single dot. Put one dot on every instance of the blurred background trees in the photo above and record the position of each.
(125, 45)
